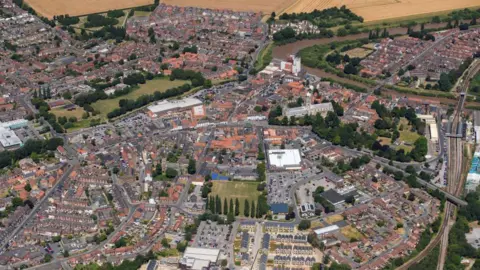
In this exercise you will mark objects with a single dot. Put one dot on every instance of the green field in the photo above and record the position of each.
(59, 112)
(406, 136)
(264, 58)
(107, 105)
(236, 189)
(475, 84)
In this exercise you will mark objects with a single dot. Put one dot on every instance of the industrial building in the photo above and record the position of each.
(8, 138)
(476, 125)
(310, 109)
(167, 106)
(473, 176)
(288, 159)
(199, 258)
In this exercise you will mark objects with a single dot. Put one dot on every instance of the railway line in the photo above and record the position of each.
(455, 182)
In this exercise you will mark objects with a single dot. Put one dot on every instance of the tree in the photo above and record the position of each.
(16, 202)
(246, 208)
(230, 218)
(225, 206)
(211, 204)
(230, 210)
(47, 258)
(237, 207)
(28, 187)
(192, 166)
(115, 170)
(218, 205)
(171, 173)
(253, 209)
(304, 225)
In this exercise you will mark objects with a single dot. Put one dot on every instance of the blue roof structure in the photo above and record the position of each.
(216, 176)
(279, 208)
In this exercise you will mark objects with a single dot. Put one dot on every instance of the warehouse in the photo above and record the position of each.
(166, 106)
(199, 258)
(8, 138)
(288, 159)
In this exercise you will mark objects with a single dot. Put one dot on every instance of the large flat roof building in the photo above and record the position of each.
(288, 159)
(199, 258)
(8, 138)
(166, 106)
(311, 109)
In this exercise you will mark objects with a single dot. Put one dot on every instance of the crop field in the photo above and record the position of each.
(50, 8)
(236, 189)
(378, 10)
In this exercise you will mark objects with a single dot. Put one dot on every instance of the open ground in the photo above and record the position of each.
(107, 105)
(50, 8)
(378, 10)
(236, 189)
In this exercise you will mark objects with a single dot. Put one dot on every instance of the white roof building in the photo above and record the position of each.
(326, 230)
(170, 105)
(8, 138)
(198, 258)
(309, 109)
(288, 159)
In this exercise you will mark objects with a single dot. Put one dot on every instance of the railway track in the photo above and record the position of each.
(455, 187)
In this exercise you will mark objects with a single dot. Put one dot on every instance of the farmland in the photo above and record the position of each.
(50, 8)
(378, 10)
(236, 189)
(107, 105)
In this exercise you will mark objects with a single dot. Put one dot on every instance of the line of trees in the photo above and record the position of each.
(8, 158)
(253, 209)
(325, 18)
(97, 20)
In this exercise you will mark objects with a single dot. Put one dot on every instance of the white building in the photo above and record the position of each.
(326, 230)
(199, 258)
(166, 106)
(310, 109)
(292, 65)
(288, 159)
(432, 125)
(8, 138)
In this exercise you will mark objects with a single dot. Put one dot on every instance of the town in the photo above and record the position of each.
(160, 137)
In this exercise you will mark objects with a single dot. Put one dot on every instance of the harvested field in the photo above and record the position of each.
(378, 10)
(266, 7)
(50, 8)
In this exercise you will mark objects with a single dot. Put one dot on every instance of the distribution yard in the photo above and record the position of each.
(236, 189)
(50, 8)
(107, 105)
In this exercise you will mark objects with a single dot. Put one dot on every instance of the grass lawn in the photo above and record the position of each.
(475, 82)
(236, 189)
(351, 232)
(385, 140)
(141, 13)
(107, 105)
(264, 57)
(407, 138)
(334, 218)
(78, 112)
